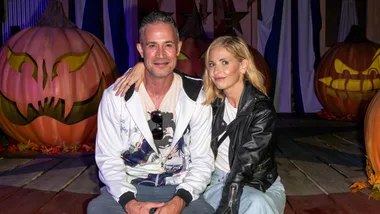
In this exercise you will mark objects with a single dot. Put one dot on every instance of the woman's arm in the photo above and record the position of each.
(251, 150)
(134, 75)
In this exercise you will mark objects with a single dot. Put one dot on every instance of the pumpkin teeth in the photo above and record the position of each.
(351, 85)
(23, 109)
(36, 104)
(68, 106)
(54, 102)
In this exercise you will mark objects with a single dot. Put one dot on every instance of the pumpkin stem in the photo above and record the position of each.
(54, 16)
(356, 34)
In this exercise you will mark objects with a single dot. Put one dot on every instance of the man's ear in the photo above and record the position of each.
(140, 50)
(179, 48)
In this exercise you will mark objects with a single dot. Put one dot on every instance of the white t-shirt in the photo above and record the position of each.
(221, 161)
(167, 108)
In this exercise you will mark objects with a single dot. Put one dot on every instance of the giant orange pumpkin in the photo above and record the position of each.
(372, 133)
(348, 77)
(372, 145)
(52, 76)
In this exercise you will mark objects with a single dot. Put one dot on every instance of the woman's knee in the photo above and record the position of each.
(255, 200)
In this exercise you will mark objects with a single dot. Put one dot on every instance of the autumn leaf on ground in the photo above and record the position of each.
(358, 186)
(12, 148)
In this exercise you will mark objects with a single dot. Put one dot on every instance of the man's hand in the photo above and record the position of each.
(174, 206)
(136, 207)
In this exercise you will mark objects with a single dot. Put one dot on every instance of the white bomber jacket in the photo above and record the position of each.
(126, 154)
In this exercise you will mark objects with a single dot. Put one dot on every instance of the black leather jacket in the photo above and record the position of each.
(251, 149)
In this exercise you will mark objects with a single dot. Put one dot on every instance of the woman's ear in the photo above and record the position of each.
(244, 66)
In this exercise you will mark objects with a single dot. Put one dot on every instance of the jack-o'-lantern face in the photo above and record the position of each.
(54, 106)
(191, 60)
(52, 80)
(348, 77)
(359, 85)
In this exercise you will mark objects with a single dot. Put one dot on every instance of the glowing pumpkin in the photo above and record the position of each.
(372, 145)
(262, 66)
(191, 60)
(372, 134)
(52, 78)
(348, 77)
(194, 46)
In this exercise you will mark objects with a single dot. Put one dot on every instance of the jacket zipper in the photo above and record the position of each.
(156, 184)
(232, 197)
(262, 164)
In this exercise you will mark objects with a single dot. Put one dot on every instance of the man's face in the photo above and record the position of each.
(159, 47)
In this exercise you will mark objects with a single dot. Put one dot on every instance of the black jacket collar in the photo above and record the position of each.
(249, 97)
(192, 86)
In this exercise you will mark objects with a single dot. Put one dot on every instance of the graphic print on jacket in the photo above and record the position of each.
(157, 167)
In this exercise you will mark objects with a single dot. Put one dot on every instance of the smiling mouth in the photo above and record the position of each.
(358, 86)
(80, 110)
(352, 89)
(219, 79)
(161, 63)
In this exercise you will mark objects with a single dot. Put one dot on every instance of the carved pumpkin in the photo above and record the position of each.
(191, 60)
(52, 79)
(372, 134)
(262, 66)
(348, 77)
(194, 46)
(372, 145)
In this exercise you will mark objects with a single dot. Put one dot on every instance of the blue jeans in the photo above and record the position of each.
(104, 203)
(252, 200)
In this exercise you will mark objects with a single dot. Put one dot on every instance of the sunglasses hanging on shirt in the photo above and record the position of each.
(156, 117)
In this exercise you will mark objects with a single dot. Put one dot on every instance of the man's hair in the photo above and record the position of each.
(157, 17)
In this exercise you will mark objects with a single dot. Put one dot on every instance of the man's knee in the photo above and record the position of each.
(198, 206)
(92, 207)
(104, 203)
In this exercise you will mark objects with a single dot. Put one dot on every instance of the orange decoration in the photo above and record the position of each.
(348, 77)
(372, 133)
(52, 79)
(372, 145)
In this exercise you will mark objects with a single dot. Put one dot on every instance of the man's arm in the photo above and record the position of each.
(109, 148)
(202, 158)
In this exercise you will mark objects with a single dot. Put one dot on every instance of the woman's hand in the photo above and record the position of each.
(135, 75)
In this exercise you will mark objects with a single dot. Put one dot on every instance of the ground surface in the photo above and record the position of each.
(317, 160)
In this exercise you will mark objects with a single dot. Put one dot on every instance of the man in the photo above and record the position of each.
(153, 146)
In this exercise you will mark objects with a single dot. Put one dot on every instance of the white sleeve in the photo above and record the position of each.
(109, 146)
(202, 158)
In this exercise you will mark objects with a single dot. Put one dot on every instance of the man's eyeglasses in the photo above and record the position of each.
(158, 132)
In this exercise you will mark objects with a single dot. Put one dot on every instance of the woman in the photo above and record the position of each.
(245, 179)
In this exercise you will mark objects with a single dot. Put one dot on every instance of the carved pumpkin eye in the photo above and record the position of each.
(16, 60)
(203, 55)
(340, 67)
(182, 56)
(74, 60)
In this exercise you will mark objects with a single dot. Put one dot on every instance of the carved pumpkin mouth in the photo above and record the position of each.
(352, 87)
(80, 110)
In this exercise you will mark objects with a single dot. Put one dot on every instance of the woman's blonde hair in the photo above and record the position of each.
(239, 49)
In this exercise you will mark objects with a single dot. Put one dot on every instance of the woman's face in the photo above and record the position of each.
(224, 69)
